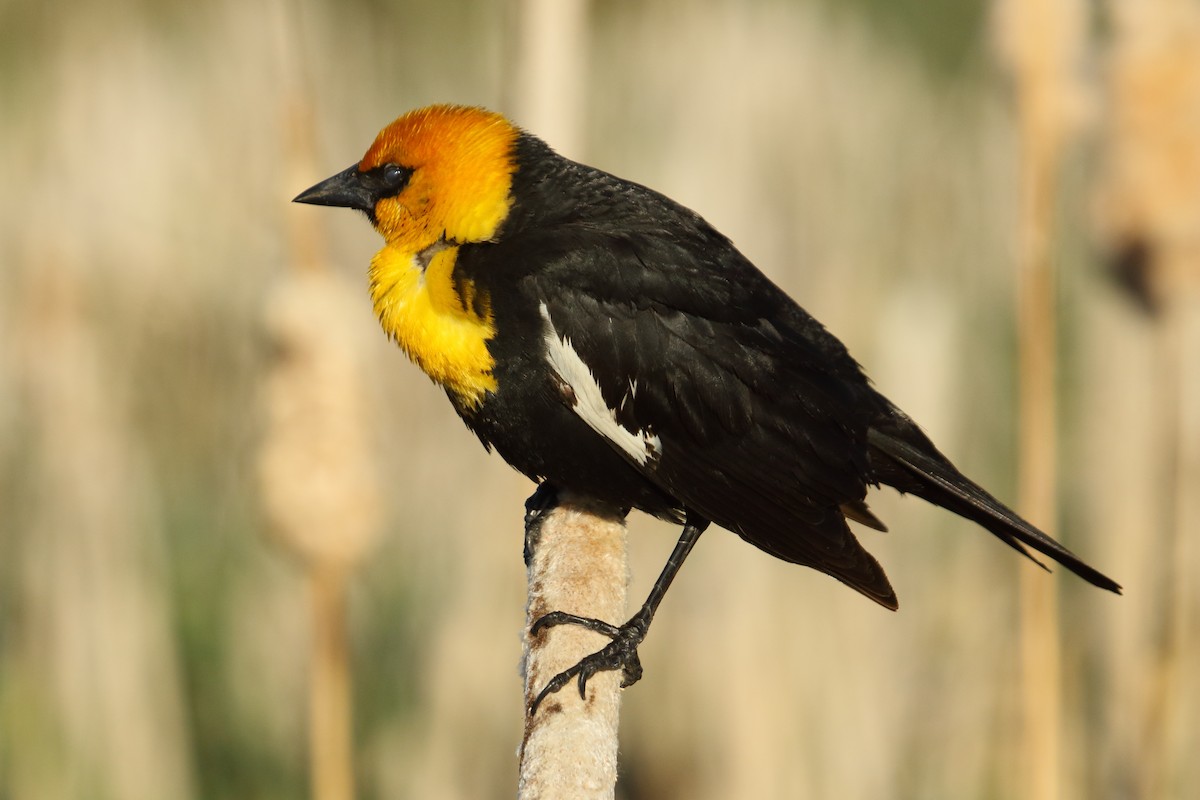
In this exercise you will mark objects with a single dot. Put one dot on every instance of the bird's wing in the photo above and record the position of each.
(703, 375)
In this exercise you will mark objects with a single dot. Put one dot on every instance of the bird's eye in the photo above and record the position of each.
(395, 176)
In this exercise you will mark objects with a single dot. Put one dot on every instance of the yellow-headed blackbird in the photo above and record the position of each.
(603, 338)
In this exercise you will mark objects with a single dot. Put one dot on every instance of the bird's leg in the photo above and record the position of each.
(541, 502)
(621, 653)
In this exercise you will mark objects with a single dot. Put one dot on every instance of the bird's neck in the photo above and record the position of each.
(441, 324)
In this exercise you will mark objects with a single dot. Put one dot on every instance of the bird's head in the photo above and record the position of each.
(438, 174)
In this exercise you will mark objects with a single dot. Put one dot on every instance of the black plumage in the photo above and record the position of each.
(768, 427)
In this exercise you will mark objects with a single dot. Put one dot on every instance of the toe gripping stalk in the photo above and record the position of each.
(622, 652)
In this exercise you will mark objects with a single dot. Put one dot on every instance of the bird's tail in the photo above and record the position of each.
(903, 457)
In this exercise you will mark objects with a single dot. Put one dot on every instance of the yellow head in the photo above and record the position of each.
(438, 173)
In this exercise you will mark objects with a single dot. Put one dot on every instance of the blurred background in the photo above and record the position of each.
(210, 457)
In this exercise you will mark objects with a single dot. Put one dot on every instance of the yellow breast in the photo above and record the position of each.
(439, 330)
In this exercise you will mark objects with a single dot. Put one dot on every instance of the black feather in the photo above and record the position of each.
(905, 459)
(767, 426)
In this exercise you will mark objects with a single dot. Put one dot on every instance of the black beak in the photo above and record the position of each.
(347, 189)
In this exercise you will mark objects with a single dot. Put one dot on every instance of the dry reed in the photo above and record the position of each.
(1043, 44)
(577, 564)
(319, 484)
(319, 489)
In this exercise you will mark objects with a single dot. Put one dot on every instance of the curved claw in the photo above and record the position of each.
(556, 683)
(621, 653)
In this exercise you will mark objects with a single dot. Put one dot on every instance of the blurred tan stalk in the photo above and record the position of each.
(320, 489)
(1042, 41)
(547, 83)
(1150, 210)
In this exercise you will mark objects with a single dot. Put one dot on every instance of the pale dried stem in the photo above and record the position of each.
(576, 564)
(330, 736)
(1042, 41)
(320, 489)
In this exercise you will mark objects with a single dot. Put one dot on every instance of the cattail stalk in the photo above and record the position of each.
(320, 492)
(1042, 41)
(330, 736)
(319, 487)
(576, 561)
(1036, 492)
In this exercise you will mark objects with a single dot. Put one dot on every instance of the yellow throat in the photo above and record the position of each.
(442, 332)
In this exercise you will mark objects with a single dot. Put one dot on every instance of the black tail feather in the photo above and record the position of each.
(904, 458)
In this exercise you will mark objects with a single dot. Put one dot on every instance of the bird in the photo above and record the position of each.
(605, 339)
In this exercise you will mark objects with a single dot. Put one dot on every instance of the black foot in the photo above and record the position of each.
(621, 653)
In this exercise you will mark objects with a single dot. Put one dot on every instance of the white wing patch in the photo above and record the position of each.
(642, 446)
